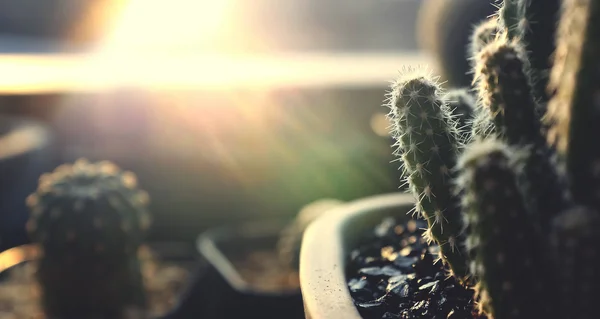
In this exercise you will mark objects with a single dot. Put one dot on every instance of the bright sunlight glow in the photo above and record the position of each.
(188, 44)
(168, 25)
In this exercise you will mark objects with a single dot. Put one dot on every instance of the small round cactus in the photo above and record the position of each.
(89, 220)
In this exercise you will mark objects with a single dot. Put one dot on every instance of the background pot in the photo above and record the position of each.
(325, 249)
(26, 151)
(221, 292)
(444, 30)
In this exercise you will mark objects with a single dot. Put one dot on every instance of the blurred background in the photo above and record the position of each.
(227, 110)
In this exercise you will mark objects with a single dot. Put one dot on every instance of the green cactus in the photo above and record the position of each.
(428, 140)
(89, 220)
(530, 216)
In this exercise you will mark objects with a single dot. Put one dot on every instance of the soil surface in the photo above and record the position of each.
(262, 269)
(395, 273)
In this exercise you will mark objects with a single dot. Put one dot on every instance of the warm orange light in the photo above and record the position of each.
(16, 255)
(169, 25)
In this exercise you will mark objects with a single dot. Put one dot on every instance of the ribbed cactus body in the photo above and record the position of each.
(509, 259)
(576, 106)
(575, 239)
(429, 144)
(89, 220)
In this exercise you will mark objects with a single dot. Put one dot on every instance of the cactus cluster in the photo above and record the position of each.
(508, 178)
(89, 220)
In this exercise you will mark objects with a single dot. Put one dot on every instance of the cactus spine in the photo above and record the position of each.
(89, 220)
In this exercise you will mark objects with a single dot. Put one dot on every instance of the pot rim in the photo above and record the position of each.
(324, 252)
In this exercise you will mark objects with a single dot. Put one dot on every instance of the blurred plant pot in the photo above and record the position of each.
(26, 151)
(325, 250)
(74, 21)
(165, 265)
(236, 285)
(444, 29)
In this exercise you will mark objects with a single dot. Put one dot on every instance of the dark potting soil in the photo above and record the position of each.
(394, 273)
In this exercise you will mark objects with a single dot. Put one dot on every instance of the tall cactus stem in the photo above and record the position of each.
(428, 140)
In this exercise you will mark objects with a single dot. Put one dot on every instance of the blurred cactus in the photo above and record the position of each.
(529, 216)
(462, 107)
(484, 33)
(89, 220)
(506, 93)
(511, 18)
(509, 259)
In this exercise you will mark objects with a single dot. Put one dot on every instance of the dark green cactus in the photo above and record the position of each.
(89, 220)
(575, 239)
(539, 39)
(509, 259)
(530, 217)
(429, 143)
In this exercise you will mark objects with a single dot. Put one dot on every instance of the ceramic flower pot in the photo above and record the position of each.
(325, 250)
(230, 289)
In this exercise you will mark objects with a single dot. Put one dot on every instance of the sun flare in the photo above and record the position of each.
(168, 25)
